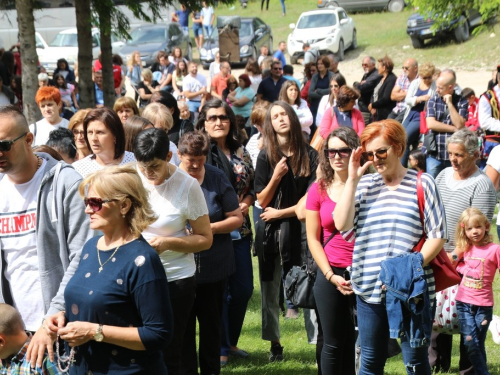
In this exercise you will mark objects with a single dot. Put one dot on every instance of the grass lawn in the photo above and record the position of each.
(379, 33)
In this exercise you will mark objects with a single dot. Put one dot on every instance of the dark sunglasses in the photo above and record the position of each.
(330, 153)
(95, 204)
(222, 118)
(381, 154)
(278, 68)
(406, 68)
(6, 145)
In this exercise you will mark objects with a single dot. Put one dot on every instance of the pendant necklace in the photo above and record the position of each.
(99, 258)
(64, 360)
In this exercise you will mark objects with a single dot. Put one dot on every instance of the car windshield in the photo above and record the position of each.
(143, 36)
(245, 30)
(317, 20)
(65, 40)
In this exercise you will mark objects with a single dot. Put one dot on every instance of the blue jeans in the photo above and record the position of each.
(185, 30)
(283, 6)
(435, 166)
(208, 30)
(474, 333)
(412, 133)
(373, 326)
(239, 289)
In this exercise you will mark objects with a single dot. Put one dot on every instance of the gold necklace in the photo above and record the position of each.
(99, 257)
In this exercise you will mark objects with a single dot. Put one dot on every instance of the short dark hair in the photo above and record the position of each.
(112, 122)
(63, 141)
(345, 95)
(194, 143)
(467, 92)
(288, 69)
(420, 158)
(150, 144)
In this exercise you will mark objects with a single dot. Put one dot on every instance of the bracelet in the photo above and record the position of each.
(326, 273)
(331, 277)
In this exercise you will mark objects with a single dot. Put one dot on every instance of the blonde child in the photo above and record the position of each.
(477, 259)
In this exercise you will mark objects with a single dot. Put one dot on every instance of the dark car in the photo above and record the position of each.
(151, 39)
(364, 5)
(254, 33)
(419, 28)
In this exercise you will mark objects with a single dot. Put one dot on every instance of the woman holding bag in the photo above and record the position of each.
(332, 254)
(382, 209)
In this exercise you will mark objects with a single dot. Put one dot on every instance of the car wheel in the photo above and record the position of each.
(462, 32)
(340, 52)
(190, 52)
(270, 47)
(416, 42)
(354, 43)
(396, 6)
(294, 59)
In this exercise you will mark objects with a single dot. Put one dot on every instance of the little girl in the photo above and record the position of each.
(477, 259)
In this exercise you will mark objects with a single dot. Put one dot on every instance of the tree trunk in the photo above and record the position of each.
(29, 58)
(84, 30)
(106, 60)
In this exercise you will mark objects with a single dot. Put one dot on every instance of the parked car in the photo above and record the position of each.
(65, 45)
(364, 5)
(151, 39)
(327, 30)
(419, 28)
(254, 33)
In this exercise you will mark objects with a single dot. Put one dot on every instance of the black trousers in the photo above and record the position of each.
(262, 5)
(207, 309)
(182, 293)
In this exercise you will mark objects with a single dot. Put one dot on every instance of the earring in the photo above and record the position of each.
(123, 216)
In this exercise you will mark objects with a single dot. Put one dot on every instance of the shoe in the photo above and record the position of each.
(276, 352)
(239, 353)
(292, 314)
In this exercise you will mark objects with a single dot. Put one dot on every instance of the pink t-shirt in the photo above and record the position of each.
(337, 250)
(479, 267)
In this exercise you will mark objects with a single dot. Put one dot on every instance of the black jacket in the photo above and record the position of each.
(371, 79)
(384, 103)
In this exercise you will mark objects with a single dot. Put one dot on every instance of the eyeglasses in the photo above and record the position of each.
(95, 204)
(334, 86)
(6, 145)
(76, 133)
(406, 68)
(381, 154)
(341, 152)
(278, 68)
(223, 118)
(426, 78)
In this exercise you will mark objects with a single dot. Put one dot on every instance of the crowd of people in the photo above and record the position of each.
(124, 228)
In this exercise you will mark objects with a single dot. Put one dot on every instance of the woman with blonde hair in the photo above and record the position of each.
(146, 87)
(76, 126)
(125, 107)
(161, 118)
(134, 68)
(117, 304)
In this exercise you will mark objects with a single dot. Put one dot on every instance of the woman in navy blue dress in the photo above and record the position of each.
(118, 316)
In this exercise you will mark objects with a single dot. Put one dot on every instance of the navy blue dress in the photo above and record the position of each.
(131, 291)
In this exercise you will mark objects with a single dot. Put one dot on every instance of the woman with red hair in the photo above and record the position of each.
(242, 97)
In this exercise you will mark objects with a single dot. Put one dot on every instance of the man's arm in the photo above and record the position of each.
(456, 119)
(167, 80)
(370, 83)
(397, 93)
(213, 88)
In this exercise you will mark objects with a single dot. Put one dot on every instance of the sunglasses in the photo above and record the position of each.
(381, 154)
(344, 153)
(95, 204)
(6, 145)
(223, 118)
(278, 68)
(406, 68)
(426, 78)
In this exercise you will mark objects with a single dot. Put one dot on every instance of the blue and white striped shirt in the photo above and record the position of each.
(387, 223)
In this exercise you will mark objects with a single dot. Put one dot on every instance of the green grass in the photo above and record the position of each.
(379, 33)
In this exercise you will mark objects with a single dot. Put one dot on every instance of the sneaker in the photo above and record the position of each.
(276, 352)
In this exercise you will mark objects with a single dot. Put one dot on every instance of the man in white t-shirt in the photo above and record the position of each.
(49, 101)
(194, 88)
(207, 16)
(43, 227)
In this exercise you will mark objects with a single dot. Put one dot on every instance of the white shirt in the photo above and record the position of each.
(207, 14)
(18, 204)
(41, 130)
(494, 162)
(175, 158)
(324, 104)
(194, 84)
(305, 116)
(90, 165)
(176, 201)
(256, 80)
(486, 121)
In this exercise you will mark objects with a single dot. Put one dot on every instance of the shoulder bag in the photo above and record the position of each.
(299, 283)
(445, 275)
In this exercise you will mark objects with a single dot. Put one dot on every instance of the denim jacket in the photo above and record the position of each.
(407, 302)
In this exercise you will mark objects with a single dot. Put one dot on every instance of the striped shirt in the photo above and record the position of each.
(387, 223)
(477, 191)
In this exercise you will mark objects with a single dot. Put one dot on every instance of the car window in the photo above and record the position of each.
(39, 43)
(95, 40)
(65, 40)
(317, 20)
(342, 16)
(246, 29)
(149, 35)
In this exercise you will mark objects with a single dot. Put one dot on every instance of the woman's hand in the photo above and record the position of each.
(270, 214)
(40, 342)
(78, 333)
(281, 169)
(342, 285)
(244, 208)
(356, 170)
(53, 323)
(160, 244)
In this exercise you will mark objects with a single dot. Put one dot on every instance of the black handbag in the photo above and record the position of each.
(299, 283)
(430, 142)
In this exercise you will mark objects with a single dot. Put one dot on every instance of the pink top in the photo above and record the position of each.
(479, 268)
(329, 122)
(337, 250)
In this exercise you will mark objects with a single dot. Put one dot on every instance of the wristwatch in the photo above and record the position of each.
(454, 256)
(98, 336)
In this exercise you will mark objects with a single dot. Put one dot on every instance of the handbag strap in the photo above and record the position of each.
(421, 205)
(329, 238)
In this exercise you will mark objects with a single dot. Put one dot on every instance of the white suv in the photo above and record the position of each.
(326, 30)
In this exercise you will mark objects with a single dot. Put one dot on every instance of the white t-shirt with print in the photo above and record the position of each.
(89, 165)
(194, 84)
(18, 204)
(494, 162)
(41, 130)
(176, 201)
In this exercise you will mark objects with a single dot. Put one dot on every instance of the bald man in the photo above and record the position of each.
(219, 81)
(43, 228)
(398, 94)
(446, 113)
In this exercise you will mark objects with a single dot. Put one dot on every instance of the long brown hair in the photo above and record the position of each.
(283, 95)
(299, 160)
